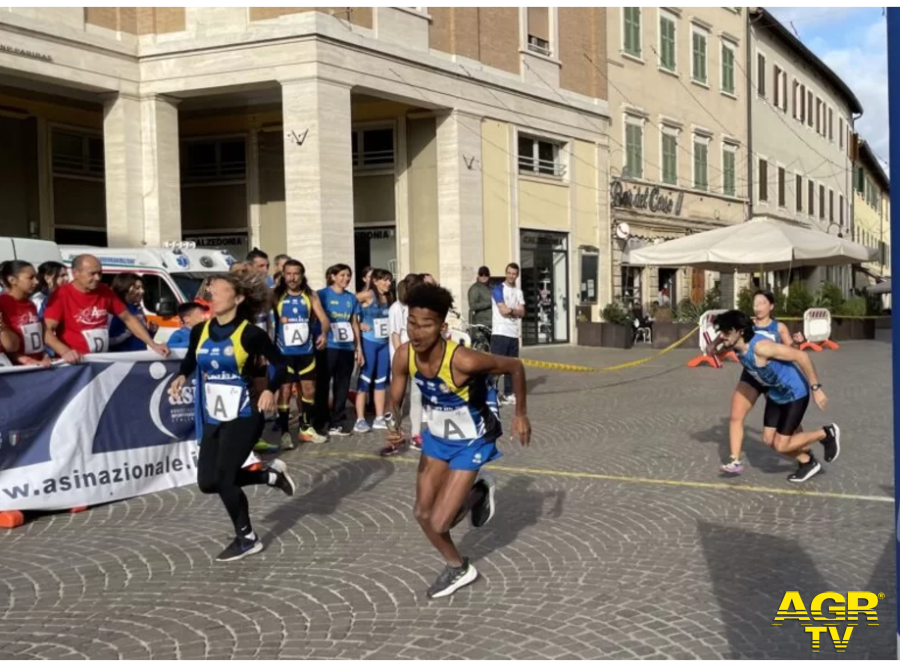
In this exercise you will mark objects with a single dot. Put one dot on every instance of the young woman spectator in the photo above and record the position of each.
(20, 282)
(130, 289)
(375, 328)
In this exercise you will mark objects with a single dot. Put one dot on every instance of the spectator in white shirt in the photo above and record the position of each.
(397, 316)
(508, 311)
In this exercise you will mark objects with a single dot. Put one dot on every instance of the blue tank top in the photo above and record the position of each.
(769, 331)
(784, 380)
(375, 316)
(340, 309)
(226, 391)
(457, 414)
(292, 329)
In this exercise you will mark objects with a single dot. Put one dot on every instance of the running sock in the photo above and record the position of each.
(306, 408)
(284, 412)
(246, 532)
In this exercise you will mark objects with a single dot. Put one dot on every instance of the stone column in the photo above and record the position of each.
(460, 219)
(318, 174)
(142, 171)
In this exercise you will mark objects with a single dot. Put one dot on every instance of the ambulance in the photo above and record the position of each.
(172, 275)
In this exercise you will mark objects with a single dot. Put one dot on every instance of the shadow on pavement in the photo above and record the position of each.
(751, 572)
(328, 489)
(519, 506)
(755, 452)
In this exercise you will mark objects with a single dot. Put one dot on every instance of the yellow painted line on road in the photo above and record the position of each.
(685, 484)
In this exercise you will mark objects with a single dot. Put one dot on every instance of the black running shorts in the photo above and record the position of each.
(785, 418)
(300, 367)
(752, 382)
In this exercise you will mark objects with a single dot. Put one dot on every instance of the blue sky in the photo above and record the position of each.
(853, 42)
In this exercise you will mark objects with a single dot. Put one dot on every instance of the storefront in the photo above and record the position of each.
(375, 247)
(545, 283)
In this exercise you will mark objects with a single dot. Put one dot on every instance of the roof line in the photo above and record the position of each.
(801, 49)
(867, 156)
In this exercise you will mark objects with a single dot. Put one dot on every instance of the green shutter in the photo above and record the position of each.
(728, 185)
(727, 69)
(699, 42)
(634, 158)
(700, 165)
(670, 159)
(667, 39)
(632, 30)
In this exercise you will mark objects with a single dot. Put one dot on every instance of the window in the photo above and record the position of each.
(821, 201)
(761, 74)
(841, 133)
(728, 67)
(215, 161)
(811, 198)
(698, 66)
(818, 115)
(802, 114)
(77, 154)
(701, 163)
(841, 209)
(782, 188)
(539, 30)
(667, 42)
(860, 180)
(776, 85)
(798, 192)
(784, 91)
(156, 289)
(372, 148)
(830, 205)
(590, 269)
(729, 180)
(538, 156)
(809, 108)
(763, 180)
(830, 124)
(634, 148)
(631, 30)
(795, 93)
(669, 158)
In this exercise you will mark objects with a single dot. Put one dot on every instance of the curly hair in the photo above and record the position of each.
(252, 285)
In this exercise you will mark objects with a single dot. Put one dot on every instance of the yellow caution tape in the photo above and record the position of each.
(557, 366)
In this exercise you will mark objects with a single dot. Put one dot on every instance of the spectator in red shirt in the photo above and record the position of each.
(9, 343)
(20, 281)
(76, 320)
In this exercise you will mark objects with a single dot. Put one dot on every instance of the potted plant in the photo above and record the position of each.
(617, 328)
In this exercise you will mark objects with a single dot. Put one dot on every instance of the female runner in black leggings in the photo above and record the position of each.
(226, 350)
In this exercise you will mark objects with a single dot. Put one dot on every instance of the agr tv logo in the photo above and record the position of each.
(858, 608)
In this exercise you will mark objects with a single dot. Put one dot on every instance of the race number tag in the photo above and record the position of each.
(454, 424)
(342, 332)
(97, 340)
(296, 334)
(382, 328)
(32, 338)
(223, 402)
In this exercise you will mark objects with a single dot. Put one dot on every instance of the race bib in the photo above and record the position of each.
(381, 327)
(32, 338)
(97, 340)
(342, 332)
(296, 334)
(454, 424)
(223, 402)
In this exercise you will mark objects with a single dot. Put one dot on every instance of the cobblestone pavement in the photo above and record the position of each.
(615, 538)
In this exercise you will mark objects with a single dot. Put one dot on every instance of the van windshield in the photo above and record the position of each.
(189, 282)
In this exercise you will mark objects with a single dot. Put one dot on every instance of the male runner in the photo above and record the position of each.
(775, 366)
(463, 427)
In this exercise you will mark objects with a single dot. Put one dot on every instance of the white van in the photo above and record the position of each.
(29, 249)
(171, 274)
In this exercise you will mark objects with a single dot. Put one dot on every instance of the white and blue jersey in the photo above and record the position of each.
(375, 315)
(784, 380)
(292, 324)
(226, 390)
(769, 331)
(340, 309)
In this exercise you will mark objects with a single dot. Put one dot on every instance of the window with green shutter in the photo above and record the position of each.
(728, 175)
(666, 43)
(701, 165)
(699, 51)
(634, 139)
(632, 30)
(670, 159)
(727, 69)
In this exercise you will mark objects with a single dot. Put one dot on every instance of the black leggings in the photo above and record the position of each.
(223, 451)
(337, 366)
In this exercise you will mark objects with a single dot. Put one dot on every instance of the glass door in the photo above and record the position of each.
(545, 284)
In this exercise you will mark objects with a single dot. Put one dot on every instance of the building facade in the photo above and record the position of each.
(801, 130)
(415, 139)
(678, 144)
(871, 215)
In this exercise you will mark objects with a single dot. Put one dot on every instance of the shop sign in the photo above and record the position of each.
(533, 240)
(235, 244)
(646, 198)
(25, 53)
(375, 234)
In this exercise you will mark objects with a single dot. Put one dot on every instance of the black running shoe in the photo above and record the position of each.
(483, 510)
(805, 471)
(832, 442)
(452, 579)
(282, 480)
(241, 547)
